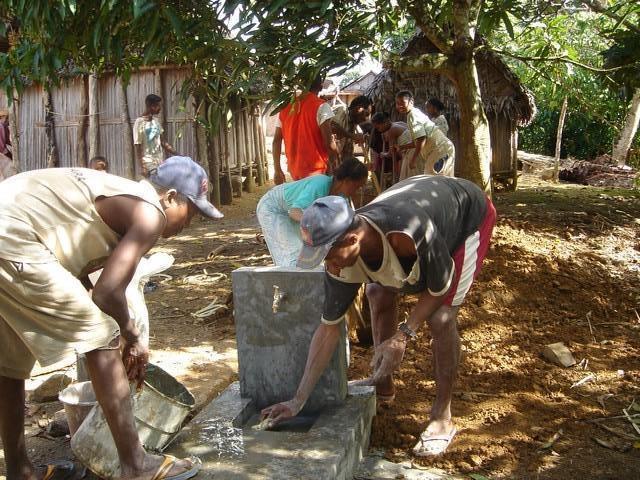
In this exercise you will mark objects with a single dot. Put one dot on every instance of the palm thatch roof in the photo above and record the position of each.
(502, 91)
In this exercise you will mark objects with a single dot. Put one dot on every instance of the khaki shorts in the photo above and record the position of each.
(46, 314)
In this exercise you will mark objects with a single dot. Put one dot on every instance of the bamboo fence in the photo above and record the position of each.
(87, 115)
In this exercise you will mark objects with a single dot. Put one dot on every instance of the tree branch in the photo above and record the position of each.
(420, 12)
(428, 62)
(558, 59)
(599, 8)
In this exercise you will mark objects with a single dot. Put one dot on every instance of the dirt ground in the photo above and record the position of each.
(564, 266)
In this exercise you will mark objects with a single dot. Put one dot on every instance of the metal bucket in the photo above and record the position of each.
(159, 410)
(78, 400)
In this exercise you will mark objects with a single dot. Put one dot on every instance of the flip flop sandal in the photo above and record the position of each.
(169, 461)
(433, 445)
(62, 470)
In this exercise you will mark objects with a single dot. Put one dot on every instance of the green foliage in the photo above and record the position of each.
(548, 56)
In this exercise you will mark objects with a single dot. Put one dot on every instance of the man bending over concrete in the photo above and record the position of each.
(57, 226)
(426, 236)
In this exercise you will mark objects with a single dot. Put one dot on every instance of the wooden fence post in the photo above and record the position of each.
(83, 122)
(248, 139)
(213, 149)
(13, 131)
(50, 128)
(157, 86)
(127, 131)
(258, 147)
(94, 118)
(226, 189)
(263, 146)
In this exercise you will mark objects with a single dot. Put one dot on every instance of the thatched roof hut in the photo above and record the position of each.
(508, 104)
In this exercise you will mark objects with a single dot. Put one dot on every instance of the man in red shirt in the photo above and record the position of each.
(305, 127)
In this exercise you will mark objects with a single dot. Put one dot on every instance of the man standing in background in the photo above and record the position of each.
(148, 137)
(347, 124)
(305, 127)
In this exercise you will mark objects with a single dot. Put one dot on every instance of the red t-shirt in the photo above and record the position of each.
(304, 147)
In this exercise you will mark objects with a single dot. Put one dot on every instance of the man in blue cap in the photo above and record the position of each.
(427, 236)
(57, 226)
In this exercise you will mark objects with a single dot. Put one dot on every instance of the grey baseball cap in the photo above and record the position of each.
(322, 223)
(189, 179)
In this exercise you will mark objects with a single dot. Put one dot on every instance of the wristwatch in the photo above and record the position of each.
(409, 333)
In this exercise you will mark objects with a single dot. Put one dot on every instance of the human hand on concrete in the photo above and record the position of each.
(278, 177)
(135, 357)
(388, 357)
(280, 412)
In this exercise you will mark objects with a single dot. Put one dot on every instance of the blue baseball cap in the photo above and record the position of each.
(322, 223)
(189, 179)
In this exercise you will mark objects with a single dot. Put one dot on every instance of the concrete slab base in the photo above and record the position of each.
(229, 448)
(375, 467)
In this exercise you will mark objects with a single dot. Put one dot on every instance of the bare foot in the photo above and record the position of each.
(439, 427)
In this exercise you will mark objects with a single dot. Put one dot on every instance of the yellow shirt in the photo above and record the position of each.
(48, 215)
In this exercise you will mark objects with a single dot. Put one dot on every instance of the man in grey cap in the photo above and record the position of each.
(57, 226)
(426, 236)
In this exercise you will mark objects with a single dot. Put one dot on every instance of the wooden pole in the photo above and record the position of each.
(14, 117)
(265, 159)
(258, 149)
(83, 123)
(203, 150)
(563, 114)
(131, 165)
(213, 148)
(226, 189)
(50, 128)
(94, 117)
(248, 140)
(239, 147)
(157, 86)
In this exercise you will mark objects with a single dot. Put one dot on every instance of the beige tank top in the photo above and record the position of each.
(389, 274)
(48, 215)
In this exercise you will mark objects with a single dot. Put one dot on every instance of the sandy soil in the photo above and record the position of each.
(563, 255)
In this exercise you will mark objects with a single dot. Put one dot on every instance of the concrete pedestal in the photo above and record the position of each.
(229, 449)
(277, 310)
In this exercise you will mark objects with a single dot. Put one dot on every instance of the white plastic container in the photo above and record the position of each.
(78, 400)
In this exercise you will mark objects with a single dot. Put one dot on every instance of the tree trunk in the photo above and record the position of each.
(127, 132)
(629, 130)
(83, 123)
(94, 118)
(50, 129)
(475, 159)
(556, 163)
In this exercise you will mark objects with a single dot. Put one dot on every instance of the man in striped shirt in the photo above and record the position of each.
(426, 236)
